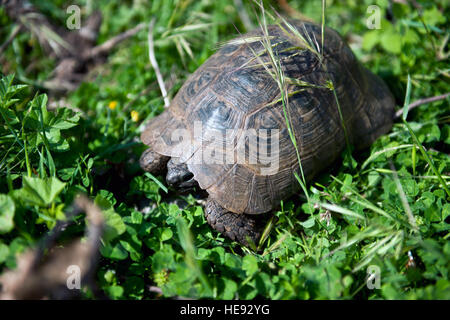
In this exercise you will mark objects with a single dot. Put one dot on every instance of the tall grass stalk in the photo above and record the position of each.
(188, 246)
(282, 85)
(313, 47)
(305, 42)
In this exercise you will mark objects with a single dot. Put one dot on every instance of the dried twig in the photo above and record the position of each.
(243, 15)
(155, 290)
(111, 43)
(420, 102)
(159, 291)
(42, 273)
(75, 51)
(154, 63)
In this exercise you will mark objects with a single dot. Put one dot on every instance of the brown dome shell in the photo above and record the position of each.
(233, 91)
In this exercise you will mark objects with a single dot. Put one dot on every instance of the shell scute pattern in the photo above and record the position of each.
(232, 91)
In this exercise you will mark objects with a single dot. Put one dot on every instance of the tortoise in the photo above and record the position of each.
(235, 91)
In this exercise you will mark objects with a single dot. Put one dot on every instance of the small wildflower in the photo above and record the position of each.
(135, 116)
(326, 216)
(411, 263)
(161, 277)
(112, 105)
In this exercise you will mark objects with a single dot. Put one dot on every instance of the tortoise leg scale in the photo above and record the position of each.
(153, 162)
(237, 227)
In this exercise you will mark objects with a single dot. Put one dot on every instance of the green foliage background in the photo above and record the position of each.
(91, 145)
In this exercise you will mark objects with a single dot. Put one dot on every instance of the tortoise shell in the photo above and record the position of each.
(233, 92)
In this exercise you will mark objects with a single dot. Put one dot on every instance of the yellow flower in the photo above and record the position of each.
(112, 105)
(135, 116)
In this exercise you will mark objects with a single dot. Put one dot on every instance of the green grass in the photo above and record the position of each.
(393, 199)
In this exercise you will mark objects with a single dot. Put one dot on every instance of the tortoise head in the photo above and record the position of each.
(179, 176)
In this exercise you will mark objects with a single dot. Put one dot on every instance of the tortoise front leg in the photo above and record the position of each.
(153, 162)
(237, 227)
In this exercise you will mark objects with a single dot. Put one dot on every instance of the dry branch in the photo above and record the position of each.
(42, 273)
(154, 63)
(420, 102)
(76, 51)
